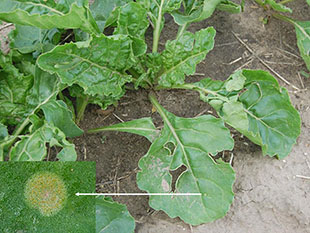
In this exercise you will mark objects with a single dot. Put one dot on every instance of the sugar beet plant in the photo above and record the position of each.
(44, 68)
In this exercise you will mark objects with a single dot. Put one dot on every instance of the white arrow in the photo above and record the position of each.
(138, 194)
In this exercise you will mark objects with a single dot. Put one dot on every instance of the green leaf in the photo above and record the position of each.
(183, 54)
(98, 68)
(28, 39)
(308, 1)
(49, 14)
(14, 89)
(278, 6)
(102, 10)
(3, 131)
(230, 7)
(273, 122)
(195, 141)
(261, 110)
(112, 217)
(132, 21)
(303, 40)
(195, 11)
(156, 7)
(142, 126)
(32, 147)
(57, 113)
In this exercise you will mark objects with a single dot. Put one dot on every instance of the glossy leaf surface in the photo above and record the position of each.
(50, 14)
(99, 68)
(278, 6)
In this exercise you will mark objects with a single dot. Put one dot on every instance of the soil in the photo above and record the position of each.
(269, 195)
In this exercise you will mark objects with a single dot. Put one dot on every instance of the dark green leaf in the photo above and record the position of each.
(32, 147)
(102, 10)
(14, 89)
(183, 54)
(112, 217)
(28, 39)
(195, 11)
(98, 68)
(132, 21)
(49, 14)
(3, 131)
(142, 126)
(57, 113)
(190, 142)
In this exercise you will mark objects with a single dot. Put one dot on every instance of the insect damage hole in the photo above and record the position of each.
(175, 175)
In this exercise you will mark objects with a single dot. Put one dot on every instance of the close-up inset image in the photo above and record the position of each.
(41, 197)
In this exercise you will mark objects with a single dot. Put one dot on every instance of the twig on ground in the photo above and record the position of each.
(226, 44)
(303, 177)
(116, 173)
(264, 63)
(234, 61)
(231, 158)
(117, 117)
(201, 113)
(245, 64)
(85, 152)
(292, 54)
(302, 83)
(191, 228)
(6, 26)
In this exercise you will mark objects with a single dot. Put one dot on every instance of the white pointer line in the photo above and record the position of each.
(138, 194)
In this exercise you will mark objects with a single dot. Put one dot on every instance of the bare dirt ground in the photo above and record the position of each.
(269, 195)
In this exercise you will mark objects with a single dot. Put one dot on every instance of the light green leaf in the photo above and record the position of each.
(183, 54)
(278, 6)
(235, 82)
(190, 142)
(157, 8)
(28, 39)
(132, 21)
(195, 11)
(273, 122)
(98, 68)
(230, 7)
(102, 10)
(142, 126)
(303, 40)
(49, 14)
(32, 147)
(308, 1)
(57, 113)
(112, 217)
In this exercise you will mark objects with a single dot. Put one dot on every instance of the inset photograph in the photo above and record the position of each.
(41, 197)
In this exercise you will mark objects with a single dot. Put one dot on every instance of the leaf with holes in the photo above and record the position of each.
(196, 141)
